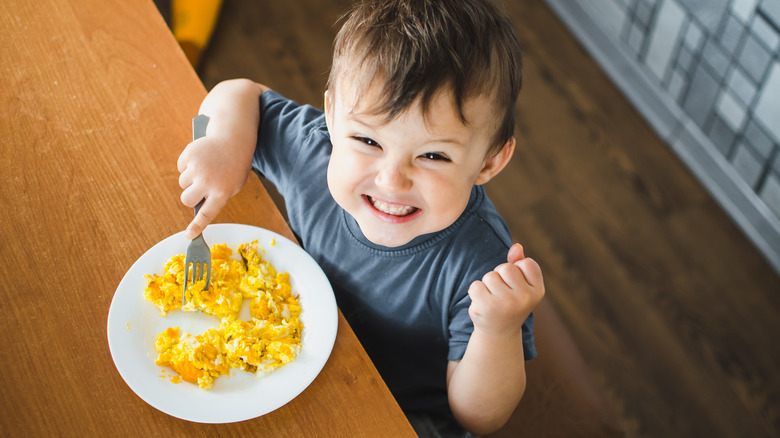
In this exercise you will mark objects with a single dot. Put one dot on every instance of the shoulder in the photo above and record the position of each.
(287, 127)
(278, 112)
(483, 228)
(292, 140)
(479, 242)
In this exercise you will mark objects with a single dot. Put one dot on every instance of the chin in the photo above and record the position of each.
(388, 239)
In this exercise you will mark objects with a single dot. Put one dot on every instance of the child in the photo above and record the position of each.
(384, 190)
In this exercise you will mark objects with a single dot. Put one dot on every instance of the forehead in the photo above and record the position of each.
(362, 97)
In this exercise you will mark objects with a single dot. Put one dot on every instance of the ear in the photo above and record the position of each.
(495, 163)
(328, 108)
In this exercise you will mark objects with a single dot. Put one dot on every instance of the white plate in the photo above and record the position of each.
(133, 324)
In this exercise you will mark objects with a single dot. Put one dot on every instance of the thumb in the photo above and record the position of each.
(205, 212)
(515, 253)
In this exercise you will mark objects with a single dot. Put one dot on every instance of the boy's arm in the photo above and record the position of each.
(485, 386)
(215, 167)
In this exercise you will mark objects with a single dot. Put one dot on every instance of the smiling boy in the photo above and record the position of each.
(384, 190)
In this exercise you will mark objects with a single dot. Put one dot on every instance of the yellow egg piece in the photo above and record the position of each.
(268, 340)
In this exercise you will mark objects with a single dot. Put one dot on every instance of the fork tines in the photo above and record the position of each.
(198, 262)
(199, 270)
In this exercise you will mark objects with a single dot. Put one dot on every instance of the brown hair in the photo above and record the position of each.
(418, 47)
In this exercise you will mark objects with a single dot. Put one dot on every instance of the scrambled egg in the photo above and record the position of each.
(270, 339)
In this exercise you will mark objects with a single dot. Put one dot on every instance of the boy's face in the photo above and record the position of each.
(411, 175)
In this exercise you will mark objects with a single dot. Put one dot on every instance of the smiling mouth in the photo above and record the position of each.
(392, 209)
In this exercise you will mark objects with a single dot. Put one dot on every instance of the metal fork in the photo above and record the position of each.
(198, 253)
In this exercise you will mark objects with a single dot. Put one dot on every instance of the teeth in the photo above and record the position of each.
(395, 210)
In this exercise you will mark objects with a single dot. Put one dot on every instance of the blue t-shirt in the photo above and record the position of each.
(408, 305)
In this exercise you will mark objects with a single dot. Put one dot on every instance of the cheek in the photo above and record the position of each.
(342, 170)
(447, 194)
(335, 173)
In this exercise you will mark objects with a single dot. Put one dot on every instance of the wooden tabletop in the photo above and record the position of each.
(95, 107)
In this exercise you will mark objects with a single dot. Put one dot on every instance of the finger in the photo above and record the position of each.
(511, 275)
(495, 283)
(191, 196)
(479, 295)
(208, 211)
(477, 291)
(193, 230)
(196, 226)
(531, 271)
(515, 253)
(185, 179)
(181, 163)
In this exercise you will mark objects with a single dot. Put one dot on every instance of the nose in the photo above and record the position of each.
(393, 177)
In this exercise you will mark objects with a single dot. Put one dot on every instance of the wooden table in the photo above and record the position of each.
(95, 106)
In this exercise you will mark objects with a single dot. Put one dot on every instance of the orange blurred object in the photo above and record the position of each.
(193, 22)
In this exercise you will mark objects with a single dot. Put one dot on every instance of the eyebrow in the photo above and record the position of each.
(451, 141)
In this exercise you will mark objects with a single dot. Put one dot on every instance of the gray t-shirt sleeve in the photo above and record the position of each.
(460, 328)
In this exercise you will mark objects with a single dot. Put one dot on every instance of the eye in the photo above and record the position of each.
(367, 141)
(435, 157)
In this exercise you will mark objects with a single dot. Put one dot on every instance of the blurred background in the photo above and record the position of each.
(646, 184)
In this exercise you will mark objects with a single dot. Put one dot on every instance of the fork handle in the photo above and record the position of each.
(199, 124)
(198, 205)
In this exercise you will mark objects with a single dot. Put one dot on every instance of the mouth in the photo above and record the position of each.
(390, 209)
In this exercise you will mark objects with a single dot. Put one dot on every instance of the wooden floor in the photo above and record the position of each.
(675, 312)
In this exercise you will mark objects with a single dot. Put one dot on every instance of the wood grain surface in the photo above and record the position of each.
(95, 107)
(674, 311)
